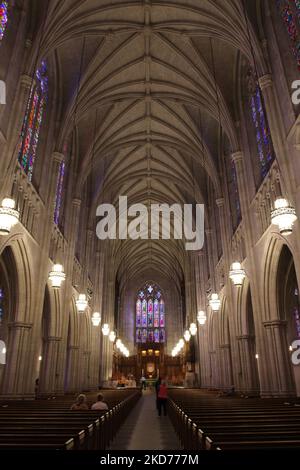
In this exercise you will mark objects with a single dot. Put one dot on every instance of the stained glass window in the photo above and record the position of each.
(59, 191)
(297, 313)
(150, 315)
(3, 18)
(33, 120)
(260, 123)
(162, 314)
(290, 11)
(156, 314)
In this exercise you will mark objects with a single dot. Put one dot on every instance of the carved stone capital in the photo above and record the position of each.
(265, 81)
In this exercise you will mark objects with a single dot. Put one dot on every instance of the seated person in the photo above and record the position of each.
(80, 403)
(227, 393)
(100, 404)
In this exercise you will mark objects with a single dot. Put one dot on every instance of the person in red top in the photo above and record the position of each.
(162, 398)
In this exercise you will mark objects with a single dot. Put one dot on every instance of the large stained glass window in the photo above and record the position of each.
(290, 13)
(263, 138)
(59, 191)
(3, 18)
(33, 120)
(150, 315)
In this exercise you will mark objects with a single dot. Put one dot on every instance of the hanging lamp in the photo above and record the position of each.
(237, 274)
(57, 276)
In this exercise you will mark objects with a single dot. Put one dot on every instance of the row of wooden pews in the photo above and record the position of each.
(49, 423)
(203, 420)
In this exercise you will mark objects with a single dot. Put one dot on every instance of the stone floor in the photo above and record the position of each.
(145, 430)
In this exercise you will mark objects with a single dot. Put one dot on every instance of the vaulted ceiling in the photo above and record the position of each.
(155, 77)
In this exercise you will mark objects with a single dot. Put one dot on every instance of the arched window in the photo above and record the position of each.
(290, 13)
(59, 191)
(150, 315)
(264, 145)
(33, 120)
(3, 18)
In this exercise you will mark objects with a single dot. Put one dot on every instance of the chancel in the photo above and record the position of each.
(149, 225)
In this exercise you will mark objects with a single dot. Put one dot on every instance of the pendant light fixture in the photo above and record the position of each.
(105, 329)
(187, 335)
(215, 302)
(237, 274)
(57, 276)
(193, 329)
(81, 303)
(96, 319)
(283, 215)
(112, 336)
(201, 317)
(9, 216)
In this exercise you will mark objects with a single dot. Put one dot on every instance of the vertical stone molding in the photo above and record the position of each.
(278, 358)
(15, 382)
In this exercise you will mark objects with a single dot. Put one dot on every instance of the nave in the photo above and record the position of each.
(149, 222)
(145, 430)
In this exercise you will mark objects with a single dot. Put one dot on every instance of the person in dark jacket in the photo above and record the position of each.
(157, 385)
(162, 398)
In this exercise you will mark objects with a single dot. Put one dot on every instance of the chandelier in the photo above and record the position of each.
(57, 276)
(187, 335)
(105, 329)
(283, 215)
(112, 336)
(96, 319)
(9, 216)
(237, 274)
(122, 348)
(81, 303)
(215, 302)
(201, 317)
(193, 329)
(176, 350)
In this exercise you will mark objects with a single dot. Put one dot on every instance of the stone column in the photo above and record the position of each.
(224, 233)
(48, 375)
(247, 365)
(226, 366)
(42, 270)
(278, 358)
(15, 384)
(72, 378)
(212, 258)
(277, 129)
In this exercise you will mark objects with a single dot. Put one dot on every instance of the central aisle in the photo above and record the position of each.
(145, 430)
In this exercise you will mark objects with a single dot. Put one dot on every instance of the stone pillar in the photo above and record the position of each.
(224, 233)
(278, 358)
(48, 375)
(72, 378)
(226, 365)
(212, 258)
(277, 129)
(15, 384)
(85, 372)
(249, 380)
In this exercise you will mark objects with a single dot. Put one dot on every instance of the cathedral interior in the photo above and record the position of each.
(169, 104)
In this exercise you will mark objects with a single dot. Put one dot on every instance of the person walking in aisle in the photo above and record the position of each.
(162, 398)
